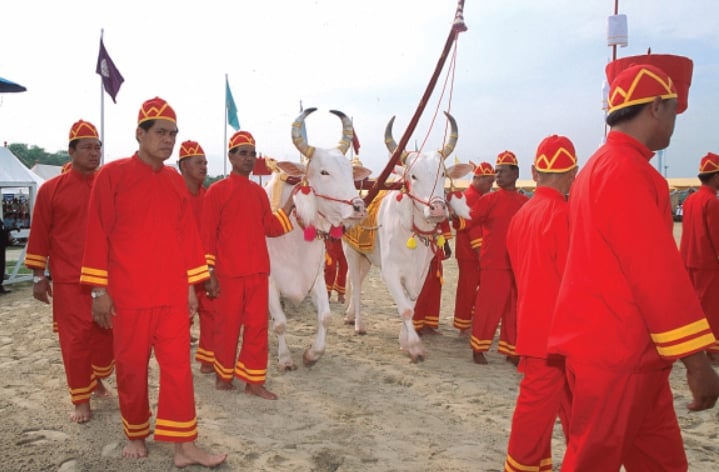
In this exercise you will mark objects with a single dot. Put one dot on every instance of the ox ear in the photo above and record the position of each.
(458, 171)
(293, 169)
(360, 173)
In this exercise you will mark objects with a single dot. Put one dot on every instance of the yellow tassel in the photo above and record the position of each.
(440, 241)
(411, 242)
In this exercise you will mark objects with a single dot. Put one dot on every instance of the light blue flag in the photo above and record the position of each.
(231, 108)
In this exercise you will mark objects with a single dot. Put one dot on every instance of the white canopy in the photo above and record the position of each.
(13, 173)
(47, 171)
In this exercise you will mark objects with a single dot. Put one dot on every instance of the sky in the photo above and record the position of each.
(524, 69)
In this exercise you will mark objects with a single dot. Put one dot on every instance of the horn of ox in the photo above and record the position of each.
(445, 152)
(305, 149)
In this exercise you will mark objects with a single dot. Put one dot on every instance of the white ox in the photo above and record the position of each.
(326, 200)
(413, 212)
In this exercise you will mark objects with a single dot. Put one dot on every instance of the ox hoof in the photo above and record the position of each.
(360, 332)
(310, 359)
(287, 367)
(417, 358)
(349, 321)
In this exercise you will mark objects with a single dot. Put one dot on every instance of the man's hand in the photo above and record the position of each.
(212, 286)
(103, 310)
(192, 302)
(702, 380)
(289, 205)
(447, 249)
(42, 290)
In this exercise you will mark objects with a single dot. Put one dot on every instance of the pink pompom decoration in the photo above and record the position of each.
(310, 233)
(336, 232)
(399, 197)
(305, 189)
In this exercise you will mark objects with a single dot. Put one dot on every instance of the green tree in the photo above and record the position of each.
(31, 155)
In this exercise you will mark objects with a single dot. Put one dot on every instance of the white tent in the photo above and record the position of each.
(47, 171)
(14, 175)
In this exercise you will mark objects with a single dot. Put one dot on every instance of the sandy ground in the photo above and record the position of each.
(363, 407)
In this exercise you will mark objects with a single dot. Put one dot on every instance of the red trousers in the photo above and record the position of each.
(622, 418)
(467, 285)
(206, 348)
(706, 285)
(496, 300)
(543, 395)
(86, 347)
(166, 331)
(426, 308)
(242, 306)
(335, 267)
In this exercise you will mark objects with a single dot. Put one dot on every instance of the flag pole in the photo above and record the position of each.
(102, 111)
(224, 143)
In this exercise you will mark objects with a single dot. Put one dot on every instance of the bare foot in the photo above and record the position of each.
(188, 453)
(222, 385)
(82, 413)
(206, 368)
(260, 391)
(429, 330)
(713, 357)
(135, 449)
(341, 299)
(193, 339)
(101, 391)
(514, 360)
(464, 333)
(479, 358)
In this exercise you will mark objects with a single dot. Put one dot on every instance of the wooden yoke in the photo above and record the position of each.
(458, 26)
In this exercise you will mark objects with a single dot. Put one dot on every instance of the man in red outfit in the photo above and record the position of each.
(335, 268)
(466, 251)
(142, 257)
(238, 217)
(429, 300)
(537, 242)
(58, 233)
(626, 308)
(497, 295)
(193, 167)
(700, 243)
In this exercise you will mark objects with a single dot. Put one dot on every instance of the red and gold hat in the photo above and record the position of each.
(709, 164)
(240, 138)
(506, 158)
(156, 109)
(639, 79)
(83, 129)
(555, 154)
(190, 149)
(483, 168)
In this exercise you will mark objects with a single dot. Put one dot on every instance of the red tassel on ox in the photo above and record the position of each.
(336, 232)
(310, 233)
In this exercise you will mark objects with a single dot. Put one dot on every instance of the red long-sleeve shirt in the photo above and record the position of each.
(490, 217)
(465, 248)
(700, 230)
(58, 226)
(196, 202)
(141, 239)
(237, 218)
(625, 301)
(537, 242)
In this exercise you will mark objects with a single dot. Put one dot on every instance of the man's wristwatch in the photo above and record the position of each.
(36, 279)
(97, 293)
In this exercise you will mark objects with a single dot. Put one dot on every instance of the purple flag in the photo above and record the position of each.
(111, 77)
